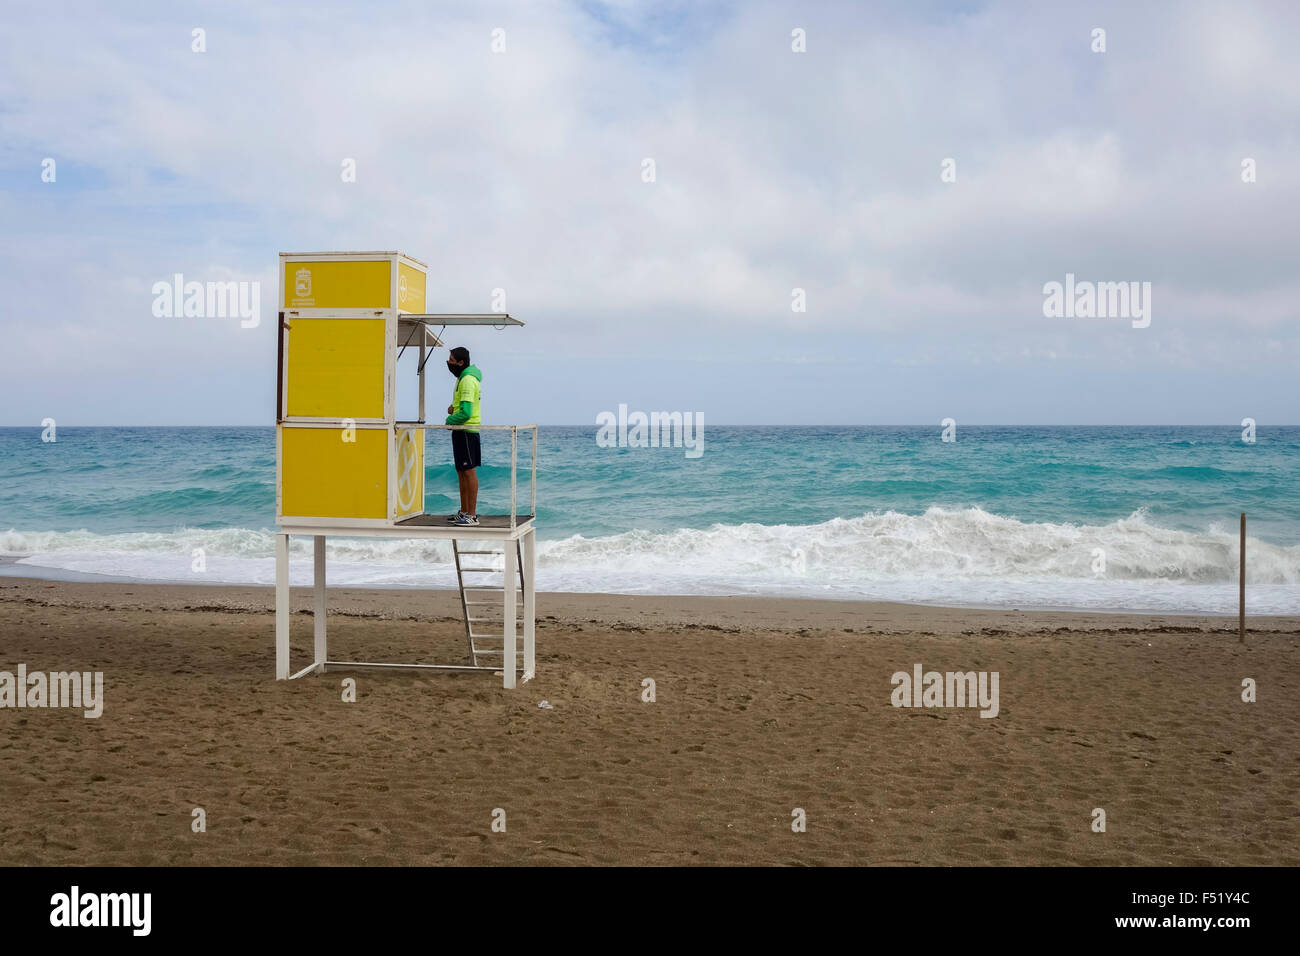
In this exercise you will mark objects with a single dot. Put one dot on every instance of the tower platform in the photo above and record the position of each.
(516, 593)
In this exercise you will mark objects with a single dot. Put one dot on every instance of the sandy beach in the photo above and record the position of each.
(762, 706)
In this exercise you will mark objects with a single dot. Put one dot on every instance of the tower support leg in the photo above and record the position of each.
(281, 607)
(318, 607)
(509, 663)
(530, 609)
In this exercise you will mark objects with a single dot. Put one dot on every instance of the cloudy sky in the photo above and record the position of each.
(775, 170)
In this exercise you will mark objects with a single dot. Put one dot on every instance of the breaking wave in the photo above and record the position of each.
(965, 557)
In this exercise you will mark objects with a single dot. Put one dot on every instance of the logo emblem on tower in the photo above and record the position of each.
(408, 473)
(302, 283)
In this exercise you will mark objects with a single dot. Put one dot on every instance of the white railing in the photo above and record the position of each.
(514, 460)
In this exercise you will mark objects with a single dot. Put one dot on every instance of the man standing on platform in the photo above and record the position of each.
(464, 410)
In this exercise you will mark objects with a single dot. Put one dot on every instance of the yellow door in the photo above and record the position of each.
(334, 472)
(336, 368)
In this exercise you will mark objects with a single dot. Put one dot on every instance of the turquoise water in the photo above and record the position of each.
(1003, 516)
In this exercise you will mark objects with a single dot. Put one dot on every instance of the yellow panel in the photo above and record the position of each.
(410, 472)
(326, 477)
(336, 367)
(338, 284)
(410, 289)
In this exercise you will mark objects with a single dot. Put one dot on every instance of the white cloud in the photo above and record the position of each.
(775, 170)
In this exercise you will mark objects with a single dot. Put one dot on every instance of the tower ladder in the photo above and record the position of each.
(482, 588)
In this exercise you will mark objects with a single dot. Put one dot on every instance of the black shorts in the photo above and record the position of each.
(465, 451)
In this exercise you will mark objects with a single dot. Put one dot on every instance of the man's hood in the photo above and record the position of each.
(472, 370)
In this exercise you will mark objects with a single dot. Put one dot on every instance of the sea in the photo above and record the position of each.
(1100, 518)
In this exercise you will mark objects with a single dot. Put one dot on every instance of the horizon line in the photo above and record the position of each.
(767, 425)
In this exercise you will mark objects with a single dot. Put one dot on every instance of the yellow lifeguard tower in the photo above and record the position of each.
(345, 465)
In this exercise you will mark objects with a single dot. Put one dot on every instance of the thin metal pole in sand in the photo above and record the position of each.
(1241, 614)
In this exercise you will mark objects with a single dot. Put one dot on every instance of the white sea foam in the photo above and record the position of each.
(966, 557)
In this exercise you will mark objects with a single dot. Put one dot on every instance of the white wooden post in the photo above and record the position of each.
(530, 610)
(318, 608)
(514, 461)
(509, 662)
(281, 607)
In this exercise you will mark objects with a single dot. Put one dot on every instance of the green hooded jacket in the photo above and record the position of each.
(466, 399)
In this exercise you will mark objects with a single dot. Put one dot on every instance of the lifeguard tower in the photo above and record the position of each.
(345, 464)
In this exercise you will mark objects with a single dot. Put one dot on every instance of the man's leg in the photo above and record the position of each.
(469, 493)
(458, 453)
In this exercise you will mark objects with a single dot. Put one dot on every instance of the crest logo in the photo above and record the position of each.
(408, 472)
(302, 283)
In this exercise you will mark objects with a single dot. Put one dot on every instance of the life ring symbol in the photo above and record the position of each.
(407, 478)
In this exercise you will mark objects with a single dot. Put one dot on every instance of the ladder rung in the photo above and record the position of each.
(489, 570)
(487, 603)
(480, 552)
